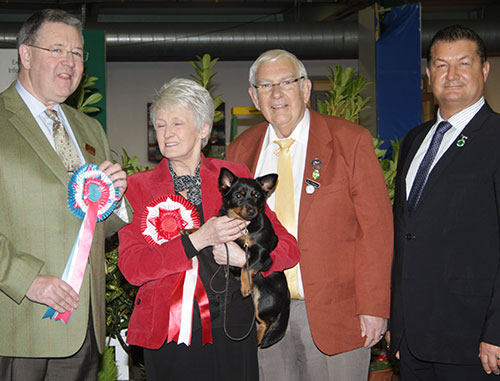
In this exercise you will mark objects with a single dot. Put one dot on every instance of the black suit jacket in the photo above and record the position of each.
(445, 275)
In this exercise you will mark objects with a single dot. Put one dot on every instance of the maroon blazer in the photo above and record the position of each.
(156, 268)
(345, 229)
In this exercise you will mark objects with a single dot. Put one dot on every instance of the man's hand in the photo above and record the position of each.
(388, 341)
(490, 357)
(117, 176)
(373, 328)
(53, 292)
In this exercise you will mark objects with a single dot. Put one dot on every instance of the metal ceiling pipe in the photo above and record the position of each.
(229, 41)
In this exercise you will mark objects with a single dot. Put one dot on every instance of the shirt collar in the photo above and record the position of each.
(300, 134)
(34, 105)
(462, 118)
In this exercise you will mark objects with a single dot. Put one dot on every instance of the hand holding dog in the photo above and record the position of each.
(236, 254)
(218, 230)
(373, 328)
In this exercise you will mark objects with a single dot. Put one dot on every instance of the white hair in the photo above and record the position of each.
(190, 95)
(273, 56)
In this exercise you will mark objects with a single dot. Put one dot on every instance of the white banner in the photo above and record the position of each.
(8, 67)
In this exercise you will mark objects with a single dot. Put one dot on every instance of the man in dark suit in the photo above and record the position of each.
(37, 229)
(336, 204)
(446, 283)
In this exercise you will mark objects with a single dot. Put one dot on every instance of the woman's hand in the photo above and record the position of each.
(236, 254)
(218, 230)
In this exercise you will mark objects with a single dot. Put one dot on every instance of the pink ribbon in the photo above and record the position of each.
(84, 245)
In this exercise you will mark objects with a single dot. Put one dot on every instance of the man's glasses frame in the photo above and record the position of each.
(78, 56)
(284, 85)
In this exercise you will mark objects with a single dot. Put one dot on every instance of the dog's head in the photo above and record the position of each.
(245, 197)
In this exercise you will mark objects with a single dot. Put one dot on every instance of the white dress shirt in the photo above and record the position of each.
(37, 109)
(458, 123)
(268, 163)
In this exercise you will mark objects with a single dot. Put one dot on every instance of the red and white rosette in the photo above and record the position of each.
(164, 217)
(161, 222)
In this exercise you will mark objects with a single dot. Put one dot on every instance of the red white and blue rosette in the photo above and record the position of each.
(164, 217)
(88, 184)
(161, 222)
(92, 197)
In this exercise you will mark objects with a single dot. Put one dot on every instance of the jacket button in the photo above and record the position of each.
(410, 236)
(138, 302)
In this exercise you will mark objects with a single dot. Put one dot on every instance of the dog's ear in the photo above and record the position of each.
(226, 179)
(268, 183)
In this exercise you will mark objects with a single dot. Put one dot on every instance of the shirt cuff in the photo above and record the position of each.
(121, 211)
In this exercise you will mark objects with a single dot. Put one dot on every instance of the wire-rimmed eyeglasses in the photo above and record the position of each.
(78, 55)
(286, 84)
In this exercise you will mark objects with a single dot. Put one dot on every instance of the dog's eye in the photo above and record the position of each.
(256, 195)
(238, 195)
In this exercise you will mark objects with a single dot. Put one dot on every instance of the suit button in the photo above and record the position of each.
(410, 236)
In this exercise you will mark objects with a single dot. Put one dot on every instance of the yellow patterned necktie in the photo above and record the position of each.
(63, 145)
(285, 205)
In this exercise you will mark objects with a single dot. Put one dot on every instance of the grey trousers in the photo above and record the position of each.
(296, 357)
(82, 366)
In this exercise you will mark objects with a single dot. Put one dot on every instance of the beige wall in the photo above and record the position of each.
(131, 85)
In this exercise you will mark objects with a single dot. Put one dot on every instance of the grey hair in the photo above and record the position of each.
(273, 56)
(28, 33)
(190, 95)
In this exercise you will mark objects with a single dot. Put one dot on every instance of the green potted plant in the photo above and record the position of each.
(203, 77)
(345, 101)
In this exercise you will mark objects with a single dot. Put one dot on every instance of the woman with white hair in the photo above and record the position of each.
(181, 315)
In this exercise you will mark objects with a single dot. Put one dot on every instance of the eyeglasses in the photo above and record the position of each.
(285, 85)
(78, 56)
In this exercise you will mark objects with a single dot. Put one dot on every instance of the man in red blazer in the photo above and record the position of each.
(343, 223)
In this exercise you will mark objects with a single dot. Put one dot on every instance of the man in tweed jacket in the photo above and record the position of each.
(37, 229)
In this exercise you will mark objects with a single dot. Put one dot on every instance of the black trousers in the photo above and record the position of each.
(224, 360)
(413, 369)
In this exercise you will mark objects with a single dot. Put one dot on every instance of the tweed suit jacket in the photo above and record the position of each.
(446, 271)
(344, 230)
(37, 232)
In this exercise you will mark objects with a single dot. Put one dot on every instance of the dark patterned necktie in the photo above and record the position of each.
(425, 166)
(62, 143)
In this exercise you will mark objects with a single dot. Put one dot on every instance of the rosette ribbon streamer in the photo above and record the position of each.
(161, 222)
(91, 196)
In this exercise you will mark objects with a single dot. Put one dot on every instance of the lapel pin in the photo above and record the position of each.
(316, 163)
(311, 186)
(461, 141)
(315, 174)
(90, 149)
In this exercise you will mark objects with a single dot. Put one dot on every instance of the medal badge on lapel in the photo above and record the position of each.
(312, 184)
(91, 197)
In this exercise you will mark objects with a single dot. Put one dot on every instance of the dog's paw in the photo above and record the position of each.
(245, 289)
(187, 231)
